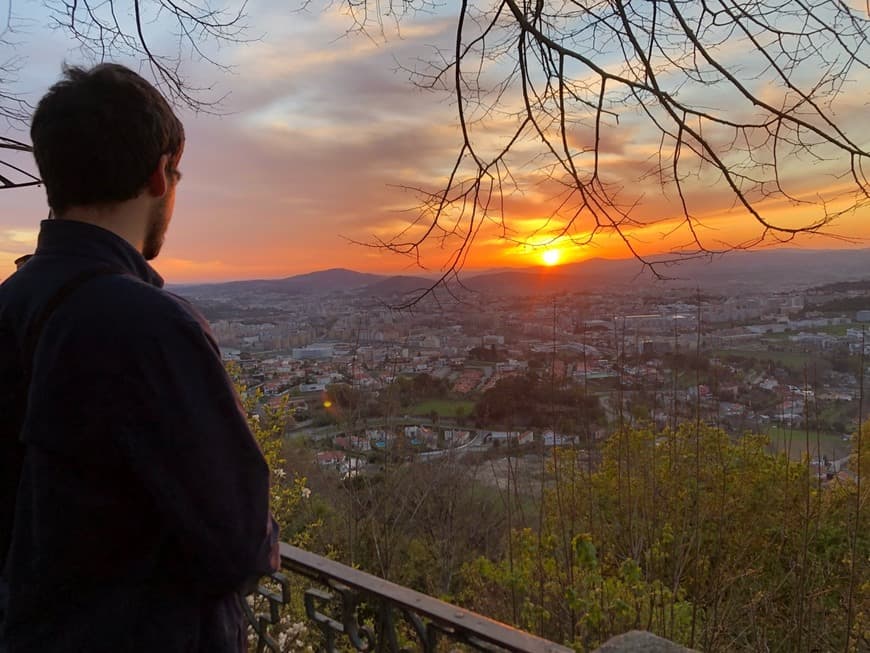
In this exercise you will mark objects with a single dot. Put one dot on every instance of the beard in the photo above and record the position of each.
(155, 234)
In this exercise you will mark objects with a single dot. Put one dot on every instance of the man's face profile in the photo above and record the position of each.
(158, 224)
(161, 213)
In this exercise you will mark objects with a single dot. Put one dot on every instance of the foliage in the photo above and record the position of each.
(415, 523)
(594, 600)
(843, 305)
(344, 396)
(487, 354)
(712, 543)
(293, 508)
(529, 401)
(448, 408)
(420, 387)
(289, 494)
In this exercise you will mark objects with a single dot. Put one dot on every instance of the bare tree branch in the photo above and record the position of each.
(161, 34)
(105, 28)
(22, 178)
(742, 96)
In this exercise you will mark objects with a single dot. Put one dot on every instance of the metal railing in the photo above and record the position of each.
(356, 610)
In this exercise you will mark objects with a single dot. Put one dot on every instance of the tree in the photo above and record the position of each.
(713, 543)
(528, 401)
(19, 178)
(287, 487)
(109, 29)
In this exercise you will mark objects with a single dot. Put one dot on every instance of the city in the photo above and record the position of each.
(782, 363)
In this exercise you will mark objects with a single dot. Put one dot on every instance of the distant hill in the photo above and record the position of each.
(398, 286)
(845, 286)
(323, 281)
(330, 280)
(777, 269)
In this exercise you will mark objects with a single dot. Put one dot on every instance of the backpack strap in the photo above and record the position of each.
(31, 339)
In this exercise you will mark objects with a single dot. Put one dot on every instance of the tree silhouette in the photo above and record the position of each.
(745, 99)
(138, 29)
(105, 29)
(14, 176)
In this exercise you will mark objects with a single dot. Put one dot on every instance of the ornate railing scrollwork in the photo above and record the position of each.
(360, 637)
(353, 609)
(260, 622)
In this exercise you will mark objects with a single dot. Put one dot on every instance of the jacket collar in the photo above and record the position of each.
(69, 238)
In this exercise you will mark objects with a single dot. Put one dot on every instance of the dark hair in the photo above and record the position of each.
(98, 135)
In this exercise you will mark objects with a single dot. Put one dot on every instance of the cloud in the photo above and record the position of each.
(25, 237)
(15, 242)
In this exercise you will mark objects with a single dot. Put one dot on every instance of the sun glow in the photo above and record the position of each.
(551, 257)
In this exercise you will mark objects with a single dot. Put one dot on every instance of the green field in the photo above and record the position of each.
(794, 441)
(444, 407)
(836, 330)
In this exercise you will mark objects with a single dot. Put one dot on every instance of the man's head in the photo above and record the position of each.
(104, 136)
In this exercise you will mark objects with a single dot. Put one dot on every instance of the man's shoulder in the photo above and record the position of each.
(131, 293)
(122, 301)
(14, 286)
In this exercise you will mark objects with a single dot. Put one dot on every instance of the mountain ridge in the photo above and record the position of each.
(784, 268)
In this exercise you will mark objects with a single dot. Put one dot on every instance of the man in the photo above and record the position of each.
(135, 508)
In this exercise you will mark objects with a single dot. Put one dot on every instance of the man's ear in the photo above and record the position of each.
(158, 182)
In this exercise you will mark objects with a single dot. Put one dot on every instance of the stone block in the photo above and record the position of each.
(639, 641)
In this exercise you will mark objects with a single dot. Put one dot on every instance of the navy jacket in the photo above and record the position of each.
(141, 507)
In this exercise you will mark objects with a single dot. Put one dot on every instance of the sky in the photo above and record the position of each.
(321, 131)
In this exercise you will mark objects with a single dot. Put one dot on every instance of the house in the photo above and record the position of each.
(552, 439)
(456, 438)
(330, 458)
(509, 437)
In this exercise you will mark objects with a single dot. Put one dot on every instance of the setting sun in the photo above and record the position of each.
(550, 256)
